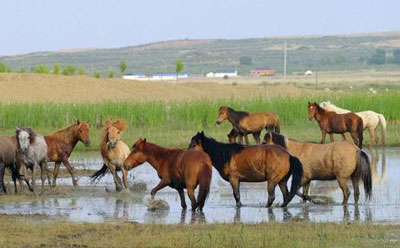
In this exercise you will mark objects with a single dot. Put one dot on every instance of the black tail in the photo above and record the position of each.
(296, 169)
(15, 173)
(100, 173)
(360, 131)
(363, 171)
(204, 185)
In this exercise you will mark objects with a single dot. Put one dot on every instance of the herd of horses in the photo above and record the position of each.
(275, 159)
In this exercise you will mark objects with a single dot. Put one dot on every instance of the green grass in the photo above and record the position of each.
(174, 123)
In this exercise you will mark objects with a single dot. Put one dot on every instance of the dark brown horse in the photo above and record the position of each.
(339, 160)
(8, 160)
(176, 168)
(330, 122)
(249, 123)
(237, 163)
(61, 143)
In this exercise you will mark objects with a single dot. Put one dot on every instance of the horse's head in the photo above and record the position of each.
(222, 114)
(196, 141)
(312, 110)
(83, 132)
(25, 137)
(137, 156)
(113, 131)
(232, 136)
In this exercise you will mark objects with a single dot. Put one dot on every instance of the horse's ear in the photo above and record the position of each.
(144, 141)
(108, 123)
(202, 133)
(78, 122)
(17, 128)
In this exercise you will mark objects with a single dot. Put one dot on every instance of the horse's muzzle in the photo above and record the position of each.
(218, 122)
(112, 143)
(87, 143)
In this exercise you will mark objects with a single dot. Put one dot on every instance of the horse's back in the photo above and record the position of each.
(258, 121)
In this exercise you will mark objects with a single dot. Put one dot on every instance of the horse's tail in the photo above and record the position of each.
(363, 171)
(296, 169)
(360, 131)
(382, 121)
(100, 173)
(204, 182)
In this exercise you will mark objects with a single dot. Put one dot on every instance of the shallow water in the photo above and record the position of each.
(98, 205)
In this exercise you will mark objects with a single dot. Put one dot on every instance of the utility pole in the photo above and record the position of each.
(285, 61)
(316, 80)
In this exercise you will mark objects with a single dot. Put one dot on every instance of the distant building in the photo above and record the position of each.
(134, 76)
(221, 74)
(308, 73)
(262, 72)
(154, 77)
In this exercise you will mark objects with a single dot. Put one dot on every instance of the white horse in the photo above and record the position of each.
(370, 120)
(31, 154)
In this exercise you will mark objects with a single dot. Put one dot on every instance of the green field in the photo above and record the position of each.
(173, 123)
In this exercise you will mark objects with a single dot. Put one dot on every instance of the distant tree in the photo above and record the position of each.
(69, 70)
(396, 57)
(122, 67)
(96, 74)
(245, 60)
(21, 70)
(179, 67)
(81, 70)
(43, 69)
(226, 77)
(56, 69)
(110, 73)
(4, 68)
(378, 58)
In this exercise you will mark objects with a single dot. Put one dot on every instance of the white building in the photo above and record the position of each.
(221, 74)
(135, 76)
(154, 77)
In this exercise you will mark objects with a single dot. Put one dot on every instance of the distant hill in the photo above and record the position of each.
(324, 53)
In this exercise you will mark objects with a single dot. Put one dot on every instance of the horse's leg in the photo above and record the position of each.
(124, 177)
(354, 137)
(331, 137)
(372, 136)
(240, 139)
(46, 169)
(117, 180)
(34, 166)
(346, 192)
(343, 136)
(190, 192)
(57, 165)
(182, 196)
(285, 192)
(323, 137)
(42, 168)
(257, 137)
(306, 190)
(355, 180)
(159, 186)
(70, 170)
(236, 190)
(246, 139)
(2, 172)
(271, 193)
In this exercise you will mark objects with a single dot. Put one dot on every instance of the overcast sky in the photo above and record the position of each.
(45, 25)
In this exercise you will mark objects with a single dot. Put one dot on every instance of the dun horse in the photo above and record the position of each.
(237, 163)
(114, 152)
(7, 160)
(61, 143)
(370, 119)
(31, 154)
(330, 122)
(176, 168)
(245, 123)
(339, 160)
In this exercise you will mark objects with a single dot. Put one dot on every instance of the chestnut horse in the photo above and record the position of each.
(114, 152)
(176, 168)
(237, 163)
(61, 143)
(330, 122)
(339, 160)
(245, 123)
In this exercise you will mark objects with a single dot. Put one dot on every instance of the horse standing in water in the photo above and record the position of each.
(245, 123)
(330, 122)
(370, 119)
(176, 168)
(114, 152)
(31, 154)
(237, 163)
(61, 143)
(7, 160)
(339, 160)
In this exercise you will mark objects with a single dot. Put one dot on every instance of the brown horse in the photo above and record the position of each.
(8, 160)
(114, 152)
(330, 122)
(339, 160)
(245, 123)
(237, 163)
(61, 143)
(176, 168)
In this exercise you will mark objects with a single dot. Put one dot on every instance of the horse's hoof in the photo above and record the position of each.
(238, 205)
(184, 207)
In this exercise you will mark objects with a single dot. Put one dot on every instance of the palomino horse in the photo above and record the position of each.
(61, 143)
(330, 122)
(339, 160)
(7, 160)
(245, 123)
(176, 168)
(370, 119)
(31, 154)
(114, 152)
(237, 163)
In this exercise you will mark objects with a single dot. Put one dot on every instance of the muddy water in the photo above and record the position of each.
(99, 203)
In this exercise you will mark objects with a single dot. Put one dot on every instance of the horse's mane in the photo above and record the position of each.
(320, 110)
(220, 153)
(278, 139)
(332, 107)
(64, 135)
(239, 114)
(30, 131)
